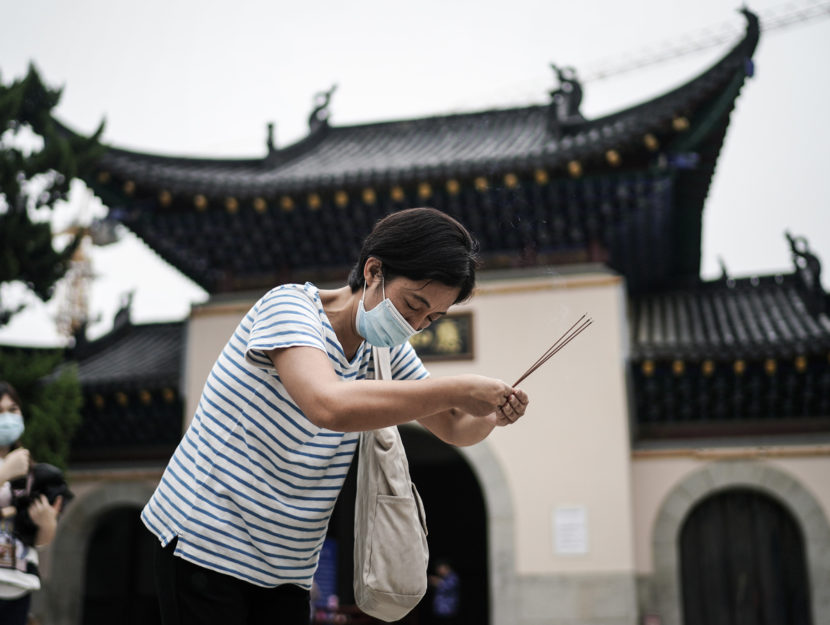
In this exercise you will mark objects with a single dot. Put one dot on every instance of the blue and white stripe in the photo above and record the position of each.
(251, 487)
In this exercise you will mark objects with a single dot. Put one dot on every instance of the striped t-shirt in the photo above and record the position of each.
(251, 487)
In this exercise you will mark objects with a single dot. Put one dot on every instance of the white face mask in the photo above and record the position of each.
(11, 428)
(384, 325)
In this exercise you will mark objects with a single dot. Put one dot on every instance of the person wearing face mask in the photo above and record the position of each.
(242, 508)
(18, 560)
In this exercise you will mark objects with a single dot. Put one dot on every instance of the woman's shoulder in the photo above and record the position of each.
(307, 289)
(307, 295)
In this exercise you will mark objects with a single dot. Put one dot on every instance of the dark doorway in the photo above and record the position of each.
(456, 519)
(119, 573)
(742, 563)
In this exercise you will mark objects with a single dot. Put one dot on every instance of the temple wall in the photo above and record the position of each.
(571, 450)
(656, 477)
(208, 329)
(667, 485)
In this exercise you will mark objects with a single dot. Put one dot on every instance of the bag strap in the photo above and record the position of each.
(383, 364)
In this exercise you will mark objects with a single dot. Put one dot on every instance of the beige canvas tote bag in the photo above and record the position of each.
(390, 534)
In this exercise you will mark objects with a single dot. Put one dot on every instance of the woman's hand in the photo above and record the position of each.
(16, 464)
(462, 426)
(45, 516)
(480, 395)
(512, 409)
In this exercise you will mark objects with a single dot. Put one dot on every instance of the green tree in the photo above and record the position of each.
(38, 160)
(33, 179)
(51, 398)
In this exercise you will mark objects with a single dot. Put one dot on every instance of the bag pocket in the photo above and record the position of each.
(398, 542)
(422, 514)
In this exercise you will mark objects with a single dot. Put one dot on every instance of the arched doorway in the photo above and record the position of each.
(119, 575)
(742, 562)
(456, 519)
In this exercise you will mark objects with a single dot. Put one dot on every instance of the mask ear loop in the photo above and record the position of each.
(382, 286)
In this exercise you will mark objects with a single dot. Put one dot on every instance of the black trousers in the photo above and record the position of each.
(193, 595)
(15, 611)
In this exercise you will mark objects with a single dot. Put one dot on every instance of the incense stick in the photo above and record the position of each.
(546, 355)
(570, 334)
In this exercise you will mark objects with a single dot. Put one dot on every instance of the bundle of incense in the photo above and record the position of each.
(563, 340)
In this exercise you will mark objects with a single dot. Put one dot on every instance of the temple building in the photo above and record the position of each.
(673, 467)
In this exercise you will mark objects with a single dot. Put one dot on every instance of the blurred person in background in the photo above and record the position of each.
(19, 575)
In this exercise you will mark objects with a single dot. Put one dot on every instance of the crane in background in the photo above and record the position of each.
(778, 18)
(73, 291)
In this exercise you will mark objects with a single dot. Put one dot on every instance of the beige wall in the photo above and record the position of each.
(656, 474)
(572, 447)
(208, 329)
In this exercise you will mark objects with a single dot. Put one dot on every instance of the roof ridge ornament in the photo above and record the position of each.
(808, 268)
(270, 144)
(319, 117)
(565, 100)
(123, 316)
(724, 273)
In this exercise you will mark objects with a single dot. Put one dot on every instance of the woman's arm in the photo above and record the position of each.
(456, 428)
(15, 464)
(361, 405)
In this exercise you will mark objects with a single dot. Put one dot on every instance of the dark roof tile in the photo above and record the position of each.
(134, 356)
(747, 318)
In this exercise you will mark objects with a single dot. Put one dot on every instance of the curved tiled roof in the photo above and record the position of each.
(750, 318)
(627, 189)
(744, 357)
(130, 379)
(450, 145)
(134, 357)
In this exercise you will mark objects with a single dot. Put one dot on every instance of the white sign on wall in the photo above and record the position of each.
(570, 530)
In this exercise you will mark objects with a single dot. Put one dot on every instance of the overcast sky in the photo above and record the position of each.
(203, 78)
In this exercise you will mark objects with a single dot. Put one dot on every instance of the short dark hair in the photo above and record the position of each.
(8, 389)
(421, 244)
